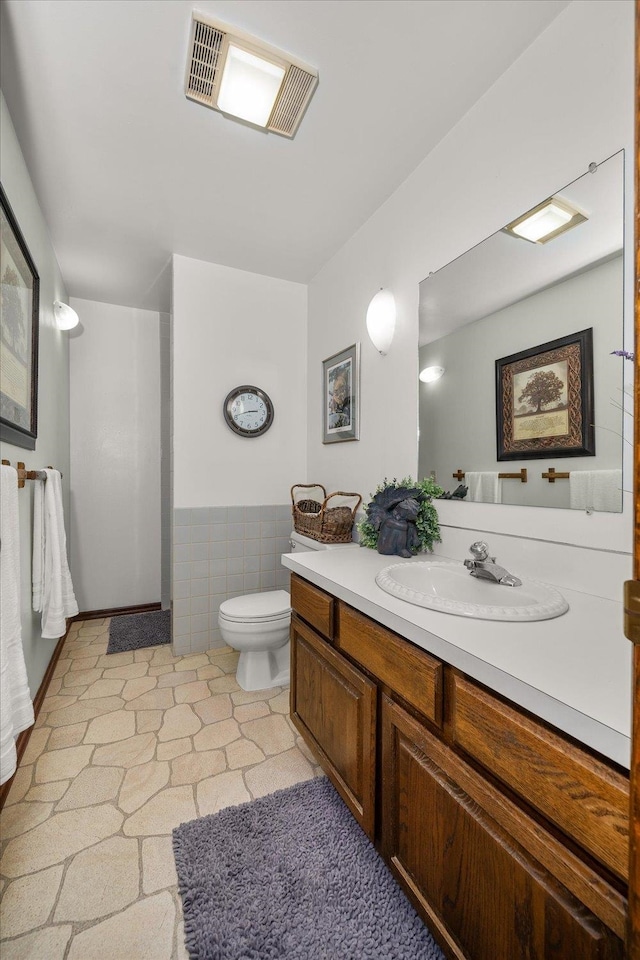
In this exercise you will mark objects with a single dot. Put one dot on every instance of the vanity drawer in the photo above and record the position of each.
(313, 605)
(408, 671)
(585, 798)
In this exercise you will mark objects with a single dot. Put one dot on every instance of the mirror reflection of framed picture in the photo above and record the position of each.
(19, 317)
(341, 396)
(544, 400)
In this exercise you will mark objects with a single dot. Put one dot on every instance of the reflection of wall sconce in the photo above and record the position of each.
(546, 221)
(431, 374)
(381, 320)
(66, 317)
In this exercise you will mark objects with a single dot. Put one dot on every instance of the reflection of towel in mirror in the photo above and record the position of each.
(16, 709)
(596, 490)
(484, 487)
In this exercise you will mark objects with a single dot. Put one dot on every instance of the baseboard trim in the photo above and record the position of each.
(23, 738)
(118, 611)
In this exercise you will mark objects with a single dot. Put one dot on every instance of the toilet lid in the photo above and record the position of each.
(257, 606)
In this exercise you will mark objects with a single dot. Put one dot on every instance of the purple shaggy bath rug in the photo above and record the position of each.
(292, 876)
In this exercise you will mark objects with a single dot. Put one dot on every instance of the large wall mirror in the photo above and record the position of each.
(520, 334)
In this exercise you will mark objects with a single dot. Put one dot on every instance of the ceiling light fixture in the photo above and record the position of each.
(239, 75)
(66, 317)
(381, 320)
(431, 374)
(546, 221)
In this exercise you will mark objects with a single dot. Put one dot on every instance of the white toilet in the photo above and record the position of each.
(257, 624)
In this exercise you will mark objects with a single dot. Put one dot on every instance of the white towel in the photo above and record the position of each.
(52, 587)
(596, 490)
(484, 487)
(16, 708)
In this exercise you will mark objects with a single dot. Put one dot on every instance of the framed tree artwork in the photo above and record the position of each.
(341, 396)
(19, 317)
(544, 400)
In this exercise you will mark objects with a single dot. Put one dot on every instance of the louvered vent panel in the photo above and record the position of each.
(205, 57)
(297, 87)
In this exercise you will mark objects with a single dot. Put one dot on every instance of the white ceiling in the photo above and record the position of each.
(128, 171)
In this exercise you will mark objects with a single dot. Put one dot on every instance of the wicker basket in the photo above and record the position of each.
(319, 520)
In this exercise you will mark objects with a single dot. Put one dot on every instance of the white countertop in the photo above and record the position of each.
(573, 671)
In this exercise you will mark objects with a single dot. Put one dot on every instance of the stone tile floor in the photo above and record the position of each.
(126, 747)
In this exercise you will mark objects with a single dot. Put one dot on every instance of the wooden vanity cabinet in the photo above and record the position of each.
(507, 837)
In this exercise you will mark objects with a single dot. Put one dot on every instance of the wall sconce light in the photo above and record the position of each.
(546, 221)
(66, 317)
(431, 374)
(381, 320)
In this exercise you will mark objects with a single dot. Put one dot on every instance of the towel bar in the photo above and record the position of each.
(521, 475)
(551, 475)
(24, 475)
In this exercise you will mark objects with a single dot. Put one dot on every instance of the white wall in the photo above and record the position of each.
(567, 101)
(115, 456)
(231, 327)
(52, 444)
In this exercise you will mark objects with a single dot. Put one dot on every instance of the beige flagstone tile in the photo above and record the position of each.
(279, 772)
(304, 749)
(118, 725)
(181, 950)
(54, 686)
(74, 691)
(83, 710)
(22, 817)
(58, 702)
(78, 678)
(84, 664)
(152, 700)
(114, 864)
(179, 722)
(209, 672)
(215, 708)
(224, 790)
(49, 943)
(224, 685)
(93, 785)
(126, 753)
(69, 736)
(160, 671)
(147, 720)
(216, 735)
(174, 748)
(193, 662)
(162, 813)
(251, 711)
(84, 651)
(19, 785)
(175, 678)
(59, 837)
(141, 783)
(228, 663)
(103, 688)
(158, 864)
(164, 655)
(47, 791)
(61, 668)
(62, 764)
(241, 697)
(27, 902)
(280, 704)
(135, 688)
(243, 753)
(144, 931)
(272, 734)
(144, 655)
(193, 767)
(112, 660)
(91, 628)
(36, 744)
(129, 672)
(192, 692)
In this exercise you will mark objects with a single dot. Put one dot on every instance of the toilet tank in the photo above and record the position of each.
(302, 544)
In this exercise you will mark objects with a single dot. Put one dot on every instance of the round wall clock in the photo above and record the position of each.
(248, 411)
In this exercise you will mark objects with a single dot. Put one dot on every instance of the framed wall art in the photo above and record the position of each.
(544, 400)
(19, 317)
(341, 396)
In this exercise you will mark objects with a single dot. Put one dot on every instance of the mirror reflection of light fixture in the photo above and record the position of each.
(381, 320)
(66, 317)
(431, 374)
(546, 221)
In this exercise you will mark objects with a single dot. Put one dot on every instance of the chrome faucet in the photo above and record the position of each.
(485, 567)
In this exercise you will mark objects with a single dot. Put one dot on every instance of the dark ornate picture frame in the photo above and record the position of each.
(341, 396)
(19, 324)
(544, 400)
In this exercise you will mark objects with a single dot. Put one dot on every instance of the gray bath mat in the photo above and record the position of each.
(292, 876)
(137, 630)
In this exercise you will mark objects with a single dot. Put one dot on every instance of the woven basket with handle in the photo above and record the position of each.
(319, 519)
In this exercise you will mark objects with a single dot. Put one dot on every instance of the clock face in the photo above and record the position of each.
(248, 411)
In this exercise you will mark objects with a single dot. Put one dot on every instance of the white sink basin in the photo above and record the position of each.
(448, 587)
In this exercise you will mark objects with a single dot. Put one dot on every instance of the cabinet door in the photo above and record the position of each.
(477, 889)
(333, 706)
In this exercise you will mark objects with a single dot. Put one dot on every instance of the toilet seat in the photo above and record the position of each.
(257, 607)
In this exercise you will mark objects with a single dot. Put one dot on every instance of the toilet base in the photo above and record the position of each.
(262, 669)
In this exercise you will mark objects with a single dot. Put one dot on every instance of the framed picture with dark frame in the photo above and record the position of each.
(341, 396)
(544, 400)
(19, 321)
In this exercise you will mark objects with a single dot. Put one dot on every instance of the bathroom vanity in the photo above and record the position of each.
(499, 805)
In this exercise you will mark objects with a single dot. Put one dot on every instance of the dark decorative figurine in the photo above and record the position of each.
(393, 512)
(458, 494)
